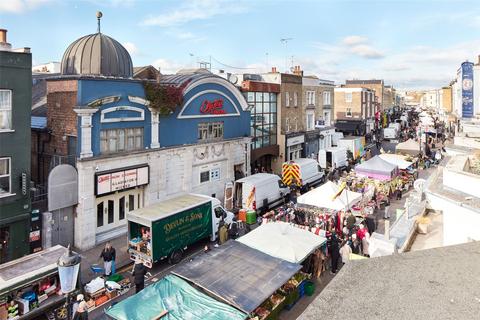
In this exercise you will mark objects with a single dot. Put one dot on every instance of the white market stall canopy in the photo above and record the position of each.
(396, 159)
(409, 147)
(321, 197)
(283, 240)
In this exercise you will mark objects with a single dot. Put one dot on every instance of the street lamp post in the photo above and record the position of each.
(68, 268)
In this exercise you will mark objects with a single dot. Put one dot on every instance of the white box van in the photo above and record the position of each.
(260, 192)
(332, 156)
(390, 133)
(309, 172)
(335, 137)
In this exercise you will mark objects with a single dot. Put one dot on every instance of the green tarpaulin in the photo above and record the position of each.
(182, 301)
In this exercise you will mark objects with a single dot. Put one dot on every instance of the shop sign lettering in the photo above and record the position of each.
(120, 180)
(212, 107)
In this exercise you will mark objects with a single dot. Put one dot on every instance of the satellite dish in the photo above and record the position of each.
(233, 79)
(419, 185)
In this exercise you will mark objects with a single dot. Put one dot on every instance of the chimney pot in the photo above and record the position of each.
(3, 35)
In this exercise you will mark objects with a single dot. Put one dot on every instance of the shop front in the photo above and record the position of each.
(116, 193)
(312, 144)
(351, 127)
(295, 146)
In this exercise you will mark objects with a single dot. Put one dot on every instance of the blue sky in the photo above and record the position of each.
(411, 44)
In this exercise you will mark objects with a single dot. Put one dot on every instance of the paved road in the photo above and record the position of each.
(159, 270)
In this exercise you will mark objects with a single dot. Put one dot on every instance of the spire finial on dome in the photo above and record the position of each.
(99, 16)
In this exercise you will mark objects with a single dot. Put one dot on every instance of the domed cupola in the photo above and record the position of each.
(97, 54)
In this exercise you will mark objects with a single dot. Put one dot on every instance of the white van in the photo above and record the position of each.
(395, 125)
(260, 192)
(310, 173)
(390, 133)
(335, 137)
(332, 156)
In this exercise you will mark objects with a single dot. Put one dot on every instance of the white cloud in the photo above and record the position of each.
(168, 66)
(20, 6)
(131, 48)
(354, 40)
(194, 10)
(366, 51)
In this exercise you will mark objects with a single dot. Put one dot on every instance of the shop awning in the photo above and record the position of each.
(237, 274)
(283, 240)
(176, 296)
(322, 196)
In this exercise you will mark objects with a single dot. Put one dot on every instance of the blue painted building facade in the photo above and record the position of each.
(121, 104)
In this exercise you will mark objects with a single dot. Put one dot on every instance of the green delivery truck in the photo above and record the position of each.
(164, 230)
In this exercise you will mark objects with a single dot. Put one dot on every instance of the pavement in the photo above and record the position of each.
(92, 257)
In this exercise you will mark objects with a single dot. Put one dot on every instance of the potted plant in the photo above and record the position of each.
(422, 225)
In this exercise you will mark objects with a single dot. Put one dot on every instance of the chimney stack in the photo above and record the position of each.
(274, 69)
(297, 71)
(4, 45)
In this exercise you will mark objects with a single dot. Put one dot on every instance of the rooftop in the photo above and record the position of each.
(428, 284)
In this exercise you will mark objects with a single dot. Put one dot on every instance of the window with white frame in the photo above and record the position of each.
(287, 124)
(5, 177)
(348, 97)
(348, 113)
(295, 99)
(327, 98)
(119, 140)
(210, 175)
(310, 98)
(296, 123)
(210, 131)
(287, 99)
(5, 110)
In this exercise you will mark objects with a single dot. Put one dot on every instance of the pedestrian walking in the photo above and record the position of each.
(108, 255)
(82, 308)
(387, 210)
(139, 272)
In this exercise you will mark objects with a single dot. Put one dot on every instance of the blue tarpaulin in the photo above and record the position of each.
(181, 300)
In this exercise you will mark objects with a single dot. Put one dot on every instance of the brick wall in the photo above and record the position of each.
(341, 105)
(294, 114)
(61, 119)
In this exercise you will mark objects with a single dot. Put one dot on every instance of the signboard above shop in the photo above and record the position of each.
(126, 178)
(209, 103)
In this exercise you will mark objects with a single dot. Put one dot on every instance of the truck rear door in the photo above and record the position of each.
(228, 199)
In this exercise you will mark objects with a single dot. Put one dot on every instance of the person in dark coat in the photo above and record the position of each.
(139, 272)
(335, 253)
(108, 255)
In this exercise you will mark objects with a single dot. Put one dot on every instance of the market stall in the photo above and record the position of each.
(238, 275)
(30, 286)
(377, 168)
(324, 197)
(282, 240)
(410, 147)
(175, 299)
(396, 159)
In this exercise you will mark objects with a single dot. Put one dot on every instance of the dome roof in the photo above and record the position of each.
(97, 54)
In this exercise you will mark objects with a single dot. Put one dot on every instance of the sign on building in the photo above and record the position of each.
(112, 181)
(467, 90)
